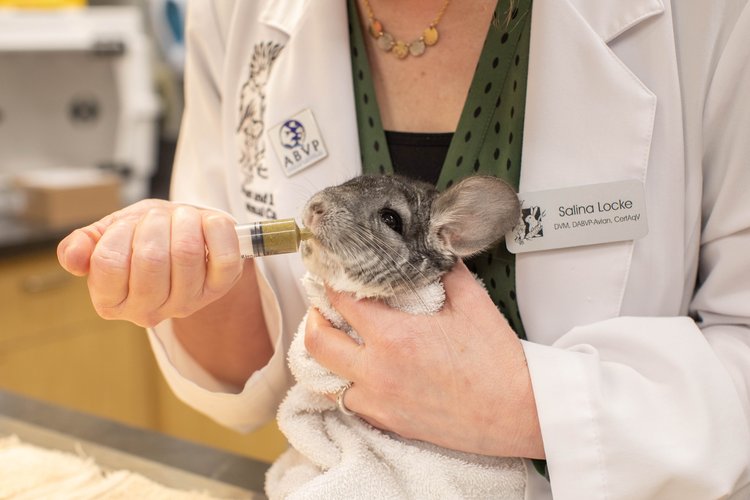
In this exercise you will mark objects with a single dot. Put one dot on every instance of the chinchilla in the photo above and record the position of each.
(378, 236)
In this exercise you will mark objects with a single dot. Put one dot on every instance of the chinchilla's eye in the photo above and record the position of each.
(392, 219)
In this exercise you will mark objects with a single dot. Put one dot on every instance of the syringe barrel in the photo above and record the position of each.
(271, 237)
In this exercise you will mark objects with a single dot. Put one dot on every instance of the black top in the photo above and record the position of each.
(418, 155)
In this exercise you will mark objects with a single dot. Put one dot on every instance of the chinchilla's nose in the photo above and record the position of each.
(314, 211)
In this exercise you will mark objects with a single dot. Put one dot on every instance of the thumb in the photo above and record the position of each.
(462, 290)
(74, 251)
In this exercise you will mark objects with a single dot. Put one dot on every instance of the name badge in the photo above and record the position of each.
(297, 142)
(578, 216)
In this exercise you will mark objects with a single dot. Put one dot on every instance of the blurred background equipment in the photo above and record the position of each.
(42, 4)
(76, 91)
(90, 107)
(61, 198)
(168, 25)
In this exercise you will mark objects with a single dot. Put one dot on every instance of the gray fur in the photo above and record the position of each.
(354, 250)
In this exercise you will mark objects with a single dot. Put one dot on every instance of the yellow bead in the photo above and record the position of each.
(401, 49)
(430, 36)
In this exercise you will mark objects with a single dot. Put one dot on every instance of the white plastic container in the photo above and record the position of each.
(77, 90)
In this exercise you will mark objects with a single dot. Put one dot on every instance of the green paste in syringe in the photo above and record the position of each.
(270, 237)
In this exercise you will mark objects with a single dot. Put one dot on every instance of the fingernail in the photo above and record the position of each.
(62, 247)
(68, 260)
(66, 255)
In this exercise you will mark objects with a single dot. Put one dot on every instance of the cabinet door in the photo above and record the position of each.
(177, 419)
(54, 347)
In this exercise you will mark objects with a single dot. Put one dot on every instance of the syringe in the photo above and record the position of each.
(270, 237)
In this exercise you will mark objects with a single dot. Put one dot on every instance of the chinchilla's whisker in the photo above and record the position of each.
(408, 283)
(387, 245)
(381, 249)
(435, 325)
(360, 236)
(406, 280)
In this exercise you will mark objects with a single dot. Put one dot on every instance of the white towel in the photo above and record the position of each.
(336, 456)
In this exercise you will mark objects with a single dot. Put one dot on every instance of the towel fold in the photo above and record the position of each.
(337, 456)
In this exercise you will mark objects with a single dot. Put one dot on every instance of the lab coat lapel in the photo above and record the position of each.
(313, 72)
(588, 120)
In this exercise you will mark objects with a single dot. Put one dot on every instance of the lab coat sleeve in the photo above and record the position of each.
(639, 407)
(199, 178)
(243, 409)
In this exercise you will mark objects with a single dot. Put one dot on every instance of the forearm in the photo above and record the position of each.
(228, 338)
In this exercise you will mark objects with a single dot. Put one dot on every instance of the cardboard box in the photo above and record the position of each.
(64, 198)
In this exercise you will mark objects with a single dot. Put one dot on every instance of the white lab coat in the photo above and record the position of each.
(635, 399)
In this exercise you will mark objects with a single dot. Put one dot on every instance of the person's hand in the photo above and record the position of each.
(457, 379)
(154, 260)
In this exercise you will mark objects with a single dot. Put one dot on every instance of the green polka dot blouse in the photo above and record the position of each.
(488, 138)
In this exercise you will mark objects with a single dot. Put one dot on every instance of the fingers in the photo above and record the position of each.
(154, 261)
(74, 251)
(373, 319)
(109, 271)
(468, 301)
(150, 267)
(224, 261)
(459, 280)
(332, 347)
(188, 260)
(368, 317)
(462, 291)
(355, 400)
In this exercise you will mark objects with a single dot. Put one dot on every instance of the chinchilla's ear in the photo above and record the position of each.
(474, 214)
